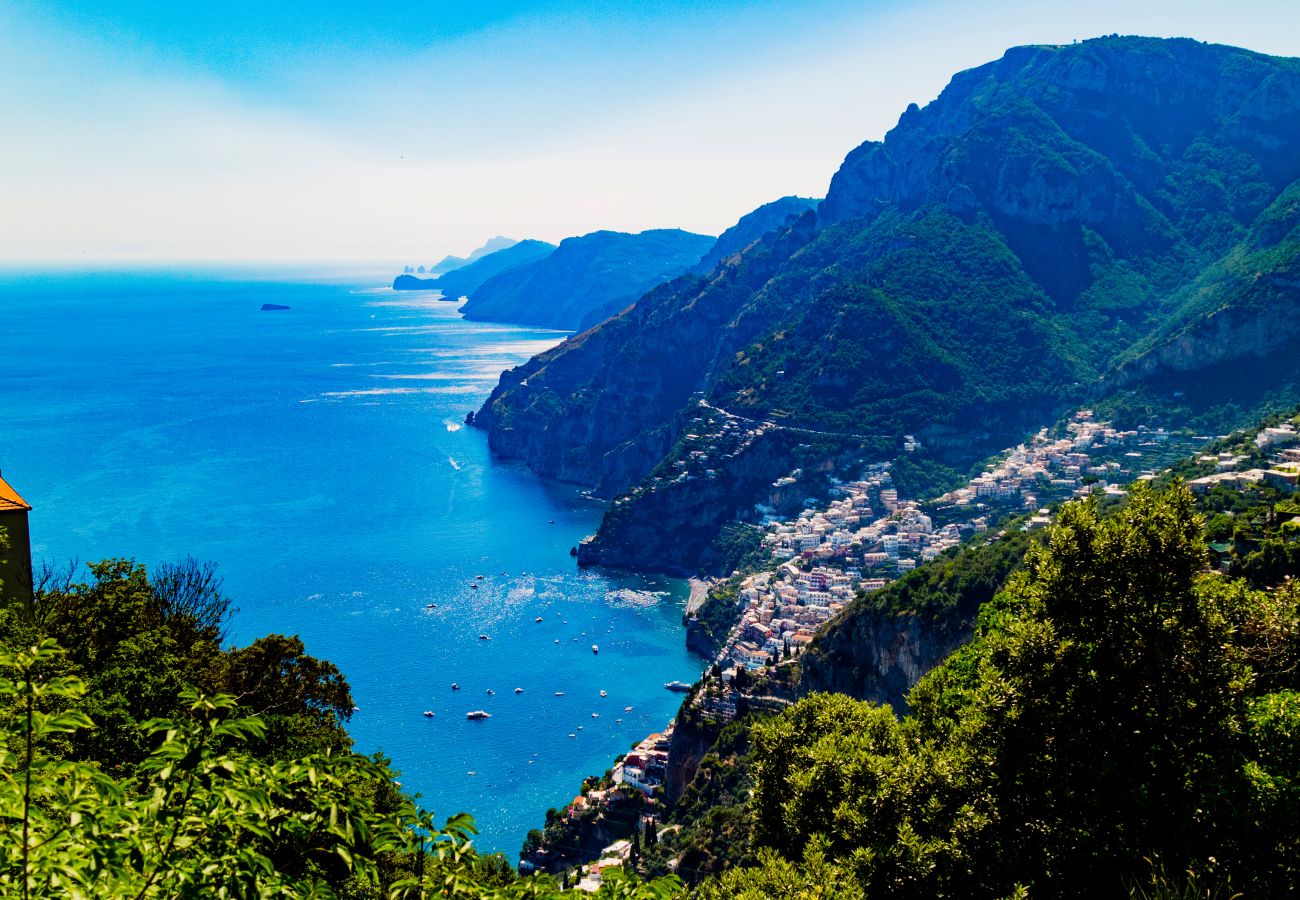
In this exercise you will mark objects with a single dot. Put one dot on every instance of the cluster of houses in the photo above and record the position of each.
(1283, 472)
(867, 536)
(1090, 457)
(646, 766)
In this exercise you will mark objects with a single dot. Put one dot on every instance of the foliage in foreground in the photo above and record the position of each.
(1118, 705)
(202, 818)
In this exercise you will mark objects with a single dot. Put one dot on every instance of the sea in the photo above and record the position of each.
(318, 456)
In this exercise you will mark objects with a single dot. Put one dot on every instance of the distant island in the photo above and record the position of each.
(270, 307)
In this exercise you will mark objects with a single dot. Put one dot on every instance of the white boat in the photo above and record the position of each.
(478, 714)
(559, 693)
(603, 694)
(519, 690)
(595, 648)
(428, 714)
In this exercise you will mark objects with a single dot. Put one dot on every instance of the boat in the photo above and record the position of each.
(538, 619)
(571, 734)
(679, 686)
(478, 714)
(484, 637)
(519, 690)
(603, 694)
(428, 714)
(557, 640)
(479, 577)
(474, 585)
(579, 727)
(627, 709)
(595, 648)
(491, 692)
(595, 715)
(455, 686)
(559, 693)
(430, 606)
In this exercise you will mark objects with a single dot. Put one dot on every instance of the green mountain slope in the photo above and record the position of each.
(965, 280)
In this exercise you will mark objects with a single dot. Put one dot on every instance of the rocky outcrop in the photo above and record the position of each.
(692, 738)
(878, 656)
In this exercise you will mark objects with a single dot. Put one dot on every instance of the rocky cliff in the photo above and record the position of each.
(968, 277)
(885, 641)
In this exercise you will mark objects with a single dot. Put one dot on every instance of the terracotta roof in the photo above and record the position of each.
(9, 499)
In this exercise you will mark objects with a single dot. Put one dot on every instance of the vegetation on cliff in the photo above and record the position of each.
(1118, 705)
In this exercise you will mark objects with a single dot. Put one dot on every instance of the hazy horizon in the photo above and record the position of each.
(258, 134)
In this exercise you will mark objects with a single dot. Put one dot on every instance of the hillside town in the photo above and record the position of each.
(868, 536)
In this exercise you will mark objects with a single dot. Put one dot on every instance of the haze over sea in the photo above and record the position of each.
(317, 456)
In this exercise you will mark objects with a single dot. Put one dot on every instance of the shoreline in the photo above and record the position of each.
(699, 593)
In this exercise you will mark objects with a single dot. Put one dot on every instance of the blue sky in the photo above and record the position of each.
(397, 132)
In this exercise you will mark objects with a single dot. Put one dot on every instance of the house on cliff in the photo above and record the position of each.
(16, 561)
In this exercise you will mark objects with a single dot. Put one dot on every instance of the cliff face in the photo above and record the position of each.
(968, 277)
(592, 276)
(878, 656)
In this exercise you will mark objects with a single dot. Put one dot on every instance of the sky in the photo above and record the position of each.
(397, 132)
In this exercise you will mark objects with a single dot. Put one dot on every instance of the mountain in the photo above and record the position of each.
(450, 263)
(459, 282)
(596, 274)
(996, 259)
(774, 216)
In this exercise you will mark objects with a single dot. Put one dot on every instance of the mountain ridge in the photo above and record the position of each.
(965, 280)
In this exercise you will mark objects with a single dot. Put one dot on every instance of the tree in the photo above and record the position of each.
(1117, 703)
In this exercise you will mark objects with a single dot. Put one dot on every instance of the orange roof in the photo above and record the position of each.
(9, 499)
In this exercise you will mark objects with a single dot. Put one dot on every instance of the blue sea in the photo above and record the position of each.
(317, 456)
